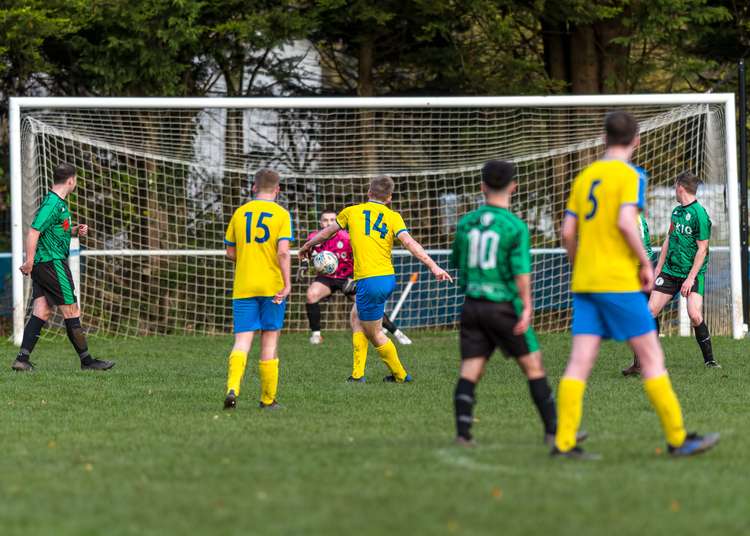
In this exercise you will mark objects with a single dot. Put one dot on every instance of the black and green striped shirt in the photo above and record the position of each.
(54, 226)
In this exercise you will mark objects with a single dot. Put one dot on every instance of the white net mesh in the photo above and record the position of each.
(157, 188)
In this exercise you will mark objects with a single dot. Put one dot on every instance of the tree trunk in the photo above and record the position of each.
(366, 88)
(584, 65)
(556, 42)
(613, 57)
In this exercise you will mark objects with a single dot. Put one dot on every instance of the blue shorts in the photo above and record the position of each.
(260, 313)
(372, 293)
(611, 315)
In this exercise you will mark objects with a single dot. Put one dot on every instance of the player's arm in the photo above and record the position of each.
(570, 235)
(232, 253)
(32, 239)
(629, 214)
(416, 249)
(322, 236)
(523, 283)
(663, 254)
(700, 256)
(284, 257)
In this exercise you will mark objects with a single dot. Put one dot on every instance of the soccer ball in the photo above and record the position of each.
(325, 262)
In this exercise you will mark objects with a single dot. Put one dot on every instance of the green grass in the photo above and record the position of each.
(146, 449)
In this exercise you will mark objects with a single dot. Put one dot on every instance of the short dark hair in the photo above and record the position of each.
(327, 211)
(689, 181)
(381, 187)
(621, 128)
(266, 179)
(63, 172)
(498, 174)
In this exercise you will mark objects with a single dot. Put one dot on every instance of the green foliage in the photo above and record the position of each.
(146, 449)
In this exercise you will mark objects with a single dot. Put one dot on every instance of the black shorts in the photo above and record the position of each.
(669, 284)
(347, 287)
(487, 325)
(54, 281)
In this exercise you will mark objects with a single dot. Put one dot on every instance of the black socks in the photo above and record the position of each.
(541, 394)
(464, 404)
(387, 324)
(313, 315)
(30, 335)
(78, 339)
(704, 341)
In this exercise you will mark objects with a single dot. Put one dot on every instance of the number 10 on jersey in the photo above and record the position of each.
(483, 249)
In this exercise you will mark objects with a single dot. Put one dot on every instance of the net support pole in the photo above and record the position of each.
(74, 261)
(16, 218)
(733, 205)
(742, 80)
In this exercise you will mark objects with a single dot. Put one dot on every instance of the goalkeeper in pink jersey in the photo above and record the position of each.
(323, 285)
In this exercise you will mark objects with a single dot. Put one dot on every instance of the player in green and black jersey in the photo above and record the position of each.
(635, 368)
(47, 249)
(684, 260)
(491, 253)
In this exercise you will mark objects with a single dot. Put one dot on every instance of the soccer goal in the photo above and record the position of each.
(159, 179)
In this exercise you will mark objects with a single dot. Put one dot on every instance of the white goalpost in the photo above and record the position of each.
(159, 178)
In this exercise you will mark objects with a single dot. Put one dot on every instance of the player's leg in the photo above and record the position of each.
(572, 387)
(315, 292)
(588, 328)
(40, 313)
(541, 393)
(393, 329)
(72, 316)
(359, 348)
(243, 342)
(659, 390)
(695, 312)
(271, 320)
(372, 293)
(268, 368)
(464, 399)
(246, 320)
(476, 346)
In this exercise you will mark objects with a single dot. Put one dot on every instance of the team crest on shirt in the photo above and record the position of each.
(340, 244)
(487, 219)
(687, 216)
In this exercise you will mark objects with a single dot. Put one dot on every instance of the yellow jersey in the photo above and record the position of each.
(255, 230)
(372, 227)
(604, 262)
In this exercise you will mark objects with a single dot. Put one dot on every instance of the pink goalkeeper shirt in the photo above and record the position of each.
(340, 246)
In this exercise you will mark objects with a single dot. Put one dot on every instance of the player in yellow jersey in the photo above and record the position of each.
(372, 229)
(257, 240)
(610, 271)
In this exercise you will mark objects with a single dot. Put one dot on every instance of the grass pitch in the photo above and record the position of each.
(146, 448)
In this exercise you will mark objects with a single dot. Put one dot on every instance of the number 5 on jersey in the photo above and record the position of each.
(593, 200)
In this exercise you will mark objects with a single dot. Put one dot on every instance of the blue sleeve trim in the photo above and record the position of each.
(636, 204)
(228, 243)
(290, 238)
(571, 213)
(402, 231)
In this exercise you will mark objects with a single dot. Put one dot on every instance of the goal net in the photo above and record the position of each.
(159, 179)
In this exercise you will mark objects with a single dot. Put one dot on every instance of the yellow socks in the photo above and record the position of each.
(569, 410)
(660, 393)
(269, 380)
(237, 363)
(360, 343)
(389, 355)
